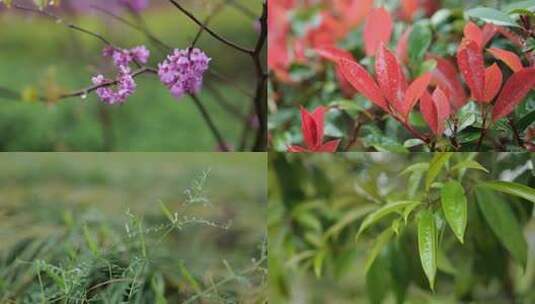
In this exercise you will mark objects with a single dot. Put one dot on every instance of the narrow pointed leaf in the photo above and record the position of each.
(310, 127)
(517, 189)
(333, 53)
(402, 49)
(511, 59)
(493, 82)
(471, 65)
(502, 221)
(377, 30)
(361, 80)
(390, 78)
(379, 245)
(489, 31)
(454, 207)
(435, 166)
(414, 92)
(380, 213)
(513, 92)
(445, 76)
(469, 164)
(329, 146)
(435, 110)
(427, 246)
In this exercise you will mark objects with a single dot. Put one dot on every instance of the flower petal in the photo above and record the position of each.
(377, 30)
(513, 92)
(493, 82)
(390, 78)
(511, 59)
(471, 65)
(361, 80)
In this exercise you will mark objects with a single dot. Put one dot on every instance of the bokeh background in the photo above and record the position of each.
(48, 197)
(317, 203)
(38, 55)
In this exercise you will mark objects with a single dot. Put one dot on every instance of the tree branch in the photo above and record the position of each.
(221, 142)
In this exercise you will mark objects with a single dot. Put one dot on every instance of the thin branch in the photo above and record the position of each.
(515, 132)
(221, 142)
(208, 30)
(260, 100)
(59, 20)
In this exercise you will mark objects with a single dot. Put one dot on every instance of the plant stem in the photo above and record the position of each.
(515, 132)
(221, 142)
(483, 127)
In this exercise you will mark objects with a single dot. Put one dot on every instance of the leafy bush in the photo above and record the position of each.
(389, 75)
(385, 227)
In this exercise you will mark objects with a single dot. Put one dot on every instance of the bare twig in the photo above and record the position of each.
(221, 142)
(260, 100)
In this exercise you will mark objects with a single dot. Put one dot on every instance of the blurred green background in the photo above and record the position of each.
(37, 54)
(47, 197)
(317, 203)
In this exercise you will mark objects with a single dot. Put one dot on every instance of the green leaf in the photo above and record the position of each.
(347, 219)
(469, 164)
(318, 262)
(527, 5)
(381, 213)
(379, 245)
(91, 242)
(517, 189)
(189, 277)
(526, 121)
(427, 245)
(491, 15)
(413, 142)
(454, 206)
(415, 167)
(419, 41)
(435, 167)
(502, 221)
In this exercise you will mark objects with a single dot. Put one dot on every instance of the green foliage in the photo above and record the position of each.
(429, 228)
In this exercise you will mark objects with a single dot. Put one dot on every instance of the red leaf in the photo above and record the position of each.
(474, 33)
(414, 92)
(493, 82)
(513, 92)
(377, 30)
(489, 30)
(390, 78)
(511, 59)
(296, 149)
(435, 110)
(511, 36)
(359, 78)
(445, 77)
(409, 8)
(470, 61)
(312, 126)
(329, 146)
(333, 53)
(353, 12)
(402, 49)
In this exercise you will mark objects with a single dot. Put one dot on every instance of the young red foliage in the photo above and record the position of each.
(445, 76)
(361, 80)
(390, 78)
(377, 30)
(402, 49)
(413, 94)
(474, 33)
(493, 82)
(353, 12)
(509, 58)
(435, 110)
(333, 53)
(513, 92)
(312, 125)
(472, 67)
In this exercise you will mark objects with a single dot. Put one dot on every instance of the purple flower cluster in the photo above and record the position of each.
(123, 57)
(125, 86)
(182, 71)
(124, 82)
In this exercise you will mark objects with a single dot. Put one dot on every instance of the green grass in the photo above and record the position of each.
(36, 53)
(66, 214)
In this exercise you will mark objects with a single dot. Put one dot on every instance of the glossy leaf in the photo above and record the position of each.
(380, 213)
(491, 15)
(390, 78)
(414, 92)
(474, 33)
(435, 110)
(512, 188)
(361, 80)
(445, 76)
(511, 59)
(435, 166)
(312, 126)
(419, 41)
(513, 92)
(333, 53)
(489, 31)
(469, 164)
(402, 49)
(493, 82)
(377, 30)
(454, 207)
(471, 65)
(427, 245)
(380, 243)
(502, 221)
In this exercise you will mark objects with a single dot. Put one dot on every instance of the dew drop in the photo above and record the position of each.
(84, 96)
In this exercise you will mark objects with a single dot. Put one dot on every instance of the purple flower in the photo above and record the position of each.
(123, 57)
(182, 71)
(125, 86)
